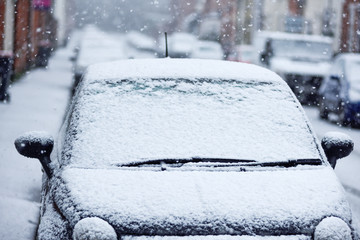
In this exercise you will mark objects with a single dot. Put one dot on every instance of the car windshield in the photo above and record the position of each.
(301, 49)
(129, 120)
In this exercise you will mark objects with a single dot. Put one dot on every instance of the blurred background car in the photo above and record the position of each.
(301, 60)
(340, 91)
(96, 46)
(139, 45)
(245, 53)
(207, 50)
(180, 45)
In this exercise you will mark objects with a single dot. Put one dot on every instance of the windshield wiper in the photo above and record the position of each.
(182, 161)
(288, 163)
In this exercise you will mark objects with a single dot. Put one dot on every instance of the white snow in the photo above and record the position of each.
(148, 202)
(93, 229)
(177, 68)
(336, 137)
(332, 228)
(37, 136)
(38, 101)
(98, 46)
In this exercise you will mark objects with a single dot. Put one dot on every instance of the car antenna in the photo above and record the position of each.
(166, 46)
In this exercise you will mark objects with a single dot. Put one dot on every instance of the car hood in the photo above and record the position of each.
(143, 202)
(302, 67)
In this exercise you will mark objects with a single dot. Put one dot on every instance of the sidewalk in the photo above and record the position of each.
(38, 102)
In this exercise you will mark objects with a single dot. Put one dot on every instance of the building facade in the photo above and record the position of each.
(350, 24)
(29, 26)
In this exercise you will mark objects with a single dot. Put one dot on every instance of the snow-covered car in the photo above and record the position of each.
(340, 91)
(301, 60)
(96, 47)
(245, 53)
(180, 45)
(188, 149)
(208, 50)
(139, 45)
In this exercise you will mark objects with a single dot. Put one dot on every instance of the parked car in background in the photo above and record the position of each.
(245, 53)
(208, 50)
(301, 60)
(96, 46)
(188, 149)
(180, 45)
(340, 91)
(139, 45)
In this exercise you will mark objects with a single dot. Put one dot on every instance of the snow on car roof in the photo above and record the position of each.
(174, 68)
(136, 110)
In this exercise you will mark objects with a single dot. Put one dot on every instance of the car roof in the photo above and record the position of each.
(180, 68)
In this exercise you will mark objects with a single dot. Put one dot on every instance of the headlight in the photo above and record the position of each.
(332, 228)
(93, 229)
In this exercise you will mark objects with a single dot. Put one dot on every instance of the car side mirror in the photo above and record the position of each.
(36, 145)
(336, 145)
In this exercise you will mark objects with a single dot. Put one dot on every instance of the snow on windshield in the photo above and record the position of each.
(125, 120)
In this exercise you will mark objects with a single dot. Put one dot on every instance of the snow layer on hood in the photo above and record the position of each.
(141, 202)
(121, 120)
